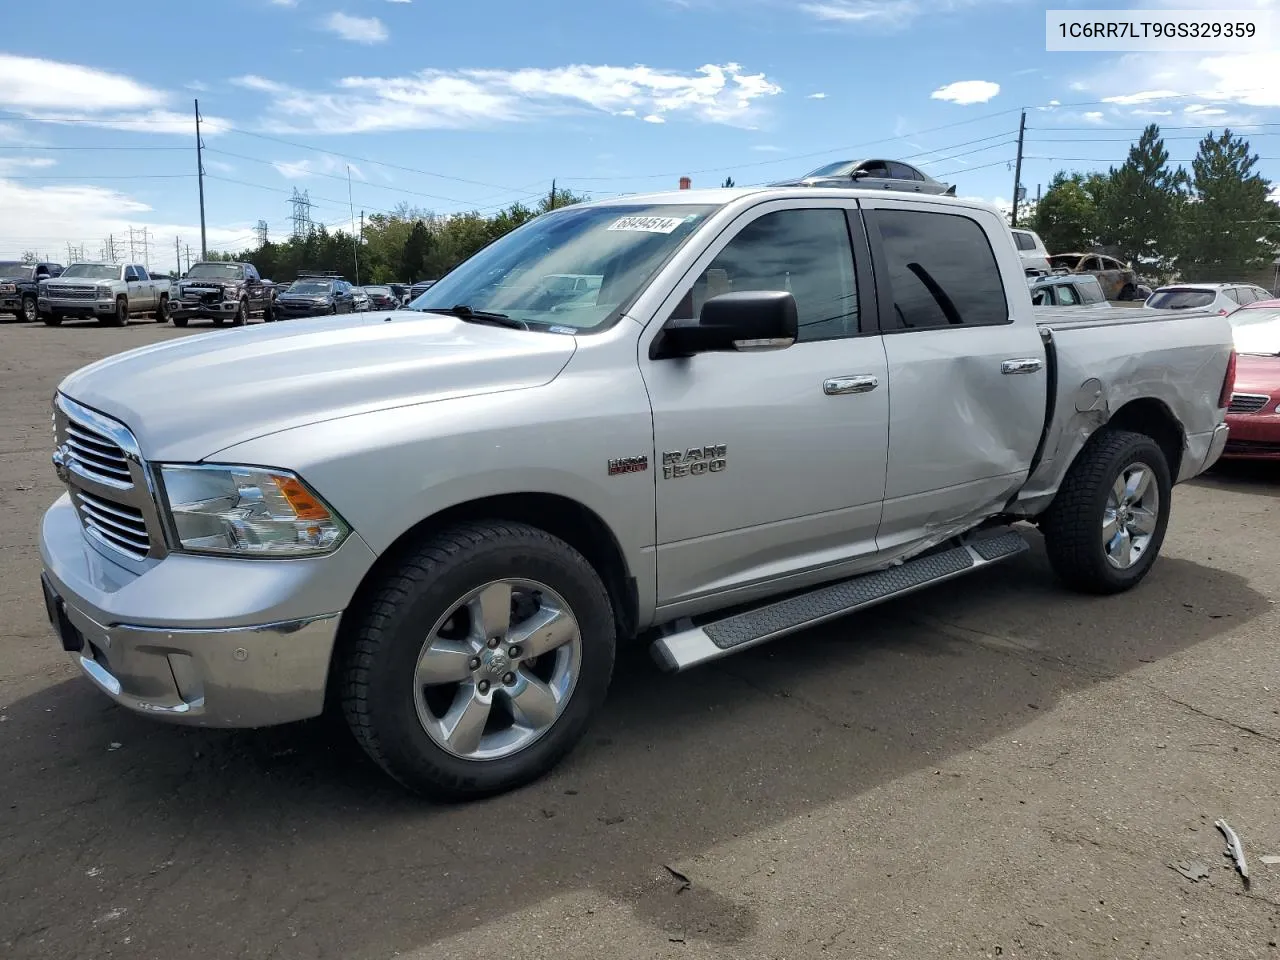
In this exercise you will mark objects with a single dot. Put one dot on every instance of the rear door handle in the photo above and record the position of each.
(838, 386)
(1025, 365)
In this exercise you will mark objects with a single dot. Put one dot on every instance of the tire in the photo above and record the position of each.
(242, 314)
(180, 321)
(1128, 292)
(120, 318)
(52, 320)
(162, 310)
(219, 321)
(29, 313)
(390, 714)
(269, 312)
(1076, 524)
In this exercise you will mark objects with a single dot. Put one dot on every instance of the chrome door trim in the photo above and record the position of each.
(839, 386)
(1023, 365)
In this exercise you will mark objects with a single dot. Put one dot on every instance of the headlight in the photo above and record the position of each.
(248, 512)
(104, 293)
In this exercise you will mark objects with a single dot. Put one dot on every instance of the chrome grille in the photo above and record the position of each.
(96, 453)
(119, 525)
(71, 293)
(99, 460)
(1247, 402)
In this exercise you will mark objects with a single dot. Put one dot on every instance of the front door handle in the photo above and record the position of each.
(838, 386)
(1025, 365)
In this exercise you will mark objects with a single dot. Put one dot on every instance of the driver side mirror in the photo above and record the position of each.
(745, 322)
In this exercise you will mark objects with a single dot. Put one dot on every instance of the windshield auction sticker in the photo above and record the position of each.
(1235, 31)
(647, 224)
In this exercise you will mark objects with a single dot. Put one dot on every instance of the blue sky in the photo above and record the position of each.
(458, 106)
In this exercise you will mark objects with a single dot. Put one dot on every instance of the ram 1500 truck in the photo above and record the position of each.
(222, 291)
(778, 406)
(113, 292)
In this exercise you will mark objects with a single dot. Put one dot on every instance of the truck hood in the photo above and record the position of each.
(1256, 374)
(187, 399)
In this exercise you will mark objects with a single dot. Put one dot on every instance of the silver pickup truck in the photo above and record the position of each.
(112, 292)
(777, 407)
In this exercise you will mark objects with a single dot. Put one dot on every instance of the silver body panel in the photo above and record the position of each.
(835, 457)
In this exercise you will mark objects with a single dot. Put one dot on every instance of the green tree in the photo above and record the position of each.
(1231, 225)
(560, 198)
(1066, 218)
(30, 256)
(728, 182)
(1139, 211)
(417, 251)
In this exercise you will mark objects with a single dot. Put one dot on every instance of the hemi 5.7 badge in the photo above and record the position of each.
(622, 465)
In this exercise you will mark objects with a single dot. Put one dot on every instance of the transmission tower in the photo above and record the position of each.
(261, 231)
(107, 252)
(301, 201)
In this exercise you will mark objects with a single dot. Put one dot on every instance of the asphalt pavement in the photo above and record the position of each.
(993, 768)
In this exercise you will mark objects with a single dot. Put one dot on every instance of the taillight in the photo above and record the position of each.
(1222, 313)
(1228, 382)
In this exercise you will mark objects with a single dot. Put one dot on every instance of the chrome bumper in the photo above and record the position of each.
(231, 677)
(1217, 444)
(54, 305)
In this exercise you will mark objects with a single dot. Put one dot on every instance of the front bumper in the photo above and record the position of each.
(288, 311)
(208, 641)
(10, 303)
(1254, 436)
(75, 308)
(199, 309)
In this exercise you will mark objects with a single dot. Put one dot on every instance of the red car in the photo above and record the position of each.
(1253, 418)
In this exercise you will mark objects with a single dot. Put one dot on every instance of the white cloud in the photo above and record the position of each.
(399, 1)
(45, 218)
(816, 96)
(767, 148)
(466, 98)
(366, 30)
(885, 14)
(1095, 116)
(322, 164)
(1145, 96)
(1200, 110)
(13, 165)
(966, 92)
(284, 3)
(1240, 79)
(44, 88)
(654, 118)
(199, 86)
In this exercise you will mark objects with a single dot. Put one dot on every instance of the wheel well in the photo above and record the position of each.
(1152, 418)
(559, 516)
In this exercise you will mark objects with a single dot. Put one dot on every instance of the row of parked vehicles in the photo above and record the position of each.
(223, 292)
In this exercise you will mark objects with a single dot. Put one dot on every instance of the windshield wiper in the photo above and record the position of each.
(464, 312)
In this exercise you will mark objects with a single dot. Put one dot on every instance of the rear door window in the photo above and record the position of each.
(1067, 295)
(941, 270)
(1024, 241)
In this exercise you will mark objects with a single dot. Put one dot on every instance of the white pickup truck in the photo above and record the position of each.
(776, 407)
(112, 292)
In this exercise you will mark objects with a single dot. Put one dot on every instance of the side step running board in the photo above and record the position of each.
(694, 645)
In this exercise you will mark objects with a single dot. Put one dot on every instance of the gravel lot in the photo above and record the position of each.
(992, 768)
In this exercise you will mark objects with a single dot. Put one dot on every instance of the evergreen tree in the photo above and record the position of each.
(1066, 218)
(1231, 224)
(1139, 211)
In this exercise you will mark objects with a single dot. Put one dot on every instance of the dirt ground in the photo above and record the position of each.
(994, 768)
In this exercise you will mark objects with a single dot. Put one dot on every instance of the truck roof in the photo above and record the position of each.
(719, 196)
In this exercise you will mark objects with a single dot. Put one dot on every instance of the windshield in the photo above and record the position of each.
(570, 268)
(1256, 331)
(840, 168)
(93, 271)
(1180, 299)
(14, 270)
(310, 288)
(216, 271)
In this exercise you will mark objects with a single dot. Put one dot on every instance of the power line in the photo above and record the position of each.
(1125, 159)
(982, 166)
(95, 147)
(113, 176)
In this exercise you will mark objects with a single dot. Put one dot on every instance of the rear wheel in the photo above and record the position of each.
(162, 310)
(1105, 527)
(515, 658)
(1129, 292)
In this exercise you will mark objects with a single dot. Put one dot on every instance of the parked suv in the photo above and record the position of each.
(314, 296)
(1221, 298)
(20, 287)
(1035, 257)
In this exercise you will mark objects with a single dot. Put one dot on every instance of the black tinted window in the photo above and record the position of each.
(805, 252)
(900, 171)
(942, 270)
(1024, 241)
(1180, 299)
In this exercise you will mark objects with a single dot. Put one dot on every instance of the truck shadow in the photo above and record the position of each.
(1243, 476)
(287, 839)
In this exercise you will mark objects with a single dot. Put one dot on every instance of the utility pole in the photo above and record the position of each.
(133, 251)
(551, 200)
(200, 174)
(188, 270)
(1017, 170)
(355, 241)
(177, 254)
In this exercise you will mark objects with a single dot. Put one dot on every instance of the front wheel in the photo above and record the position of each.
(515, 659)
(120, 317)
(52, 320)
(1107, 522)
(242, 314)
(29, 312)
(180, 321)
